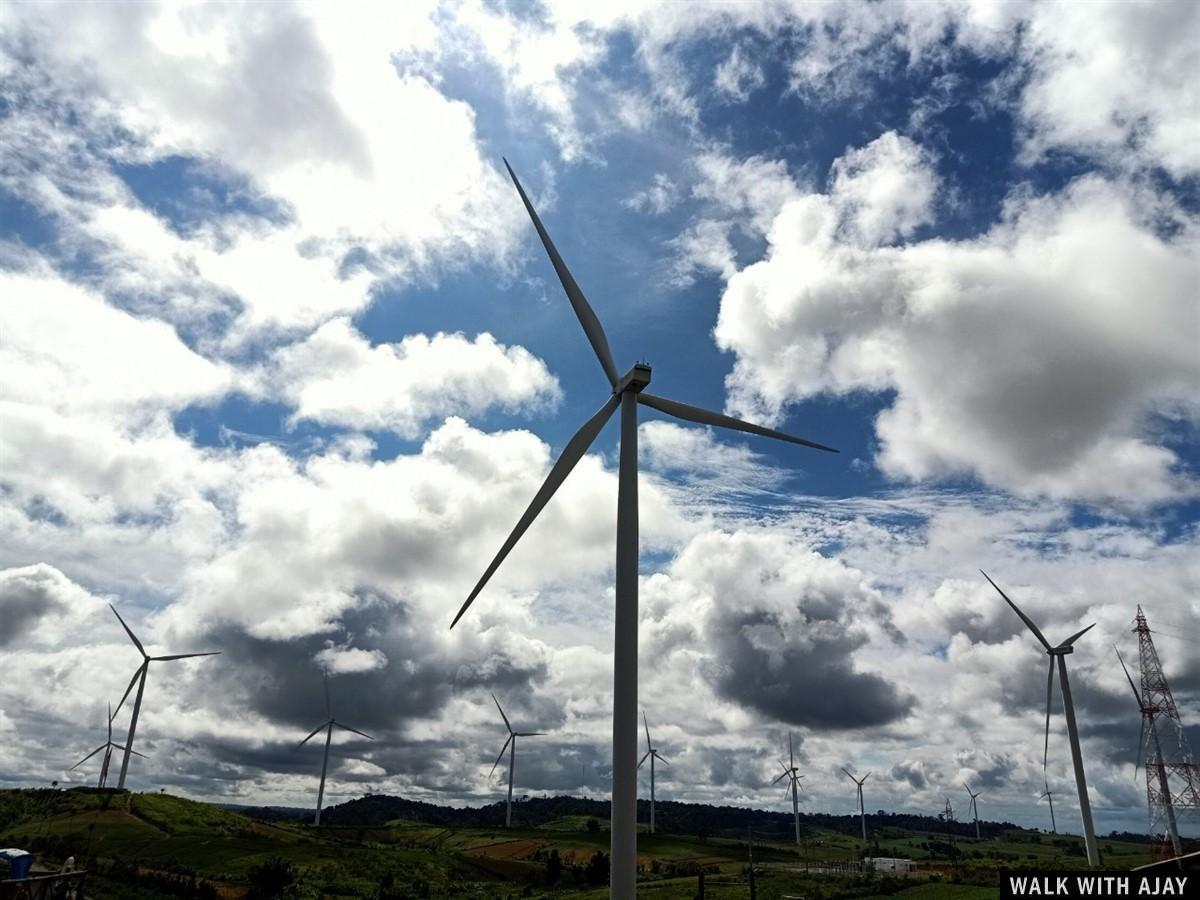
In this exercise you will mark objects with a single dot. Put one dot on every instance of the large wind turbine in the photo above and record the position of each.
(1049, 795)
(789, 772)
(652, 754)
(140, 677)
(1060, 654)
(511, 746)
(628, 391)
(974, 807)
(862, 810)
(1163, 786)
(108, 746)
(329, 724)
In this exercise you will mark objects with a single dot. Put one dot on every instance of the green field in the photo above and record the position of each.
(153, 845)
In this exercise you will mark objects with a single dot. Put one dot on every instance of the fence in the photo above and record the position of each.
(64, 886)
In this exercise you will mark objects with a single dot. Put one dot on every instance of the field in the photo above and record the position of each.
(153, 845)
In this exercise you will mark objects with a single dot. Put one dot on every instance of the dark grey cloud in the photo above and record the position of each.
(24, 601)
(806, 680)
(911, 772)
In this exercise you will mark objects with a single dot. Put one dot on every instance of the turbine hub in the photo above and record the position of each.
(1061, 651)
(634, 380)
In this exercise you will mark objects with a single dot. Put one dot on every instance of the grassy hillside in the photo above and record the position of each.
(152, 846)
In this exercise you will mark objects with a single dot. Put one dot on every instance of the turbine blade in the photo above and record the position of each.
(780, 778)
(355, 730)
(787, 791)
(1077, 635)
(310, 737)
(502, 715)
(649, 743)
(1136, 695)
(1049, 695)
(662, 759)
(132, 636)
(645, 757)
(501, 756)
(848, 775)
(529, 734)
(707, 417)
(583, 310)
(134, 752)
(865, 777)
(791, 755)
(1141, 744)
(183, 656)
(137, 674)
(1024, 618)
(572, 453)
(89, 756)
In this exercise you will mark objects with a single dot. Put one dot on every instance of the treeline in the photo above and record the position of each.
(699, 819)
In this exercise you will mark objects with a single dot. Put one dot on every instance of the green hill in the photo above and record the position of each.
(147, 846)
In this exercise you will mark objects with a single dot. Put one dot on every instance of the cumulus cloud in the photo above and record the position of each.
(336, 376)
(988, 343)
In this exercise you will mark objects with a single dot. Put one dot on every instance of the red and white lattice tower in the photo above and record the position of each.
(1172, 778)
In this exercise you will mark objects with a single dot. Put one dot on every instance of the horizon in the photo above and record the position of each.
(285, 362)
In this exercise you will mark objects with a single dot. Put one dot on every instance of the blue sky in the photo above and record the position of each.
(288, 361)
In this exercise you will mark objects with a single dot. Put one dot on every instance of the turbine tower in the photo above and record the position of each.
(652, 754)
(108, 746)
(974, 807)
(794, 787)
(862, 811)
(1049, 795)
(1060, 654)
(511, 746)
(329, 724)
(627, 391)
(139, 677)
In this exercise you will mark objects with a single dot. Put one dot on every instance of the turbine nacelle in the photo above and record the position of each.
(634, 380)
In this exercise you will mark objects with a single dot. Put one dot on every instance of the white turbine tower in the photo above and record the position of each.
(1049, 795)
(140, 678)
(974, 807)
(862, 810)
(510, 744)
(329, 724)
(652, 754)
(108, 746)
(794, 787)
(1060, 654)
(628, 391)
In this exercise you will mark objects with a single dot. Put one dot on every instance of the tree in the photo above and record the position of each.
(553, 867)
(274, 879)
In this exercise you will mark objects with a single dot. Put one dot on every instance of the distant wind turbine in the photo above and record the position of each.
(862, 810)
(1060, 654)
(974, 807)
(140, 678)
(329, 724)
(628, 391)
(652, 754)
(510, 744)
(108, 746)
(794, 787)
(1049, 795)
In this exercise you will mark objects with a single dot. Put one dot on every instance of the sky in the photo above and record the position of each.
(283, 362)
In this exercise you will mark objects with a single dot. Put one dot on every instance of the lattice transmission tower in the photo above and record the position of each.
(1172, 778)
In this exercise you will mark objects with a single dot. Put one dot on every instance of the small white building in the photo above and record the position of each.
(890, 864)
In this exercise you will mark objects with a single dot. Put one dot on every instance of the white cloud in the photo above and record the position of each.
(342, 660)
(336, 377)
(738, 76)
(989, 343)
(884, 190)
(661, 196)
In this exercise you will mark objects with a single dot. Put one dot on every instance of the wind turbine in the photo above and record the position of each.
(107, 747)
(652, 754)
(139, 676)
(862, 811)
(1049, 795)
(628, 391)
(328, 725)
(1060, 653)
(511, 746)
(794, 786)
(1163, 786)
(974, 807)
